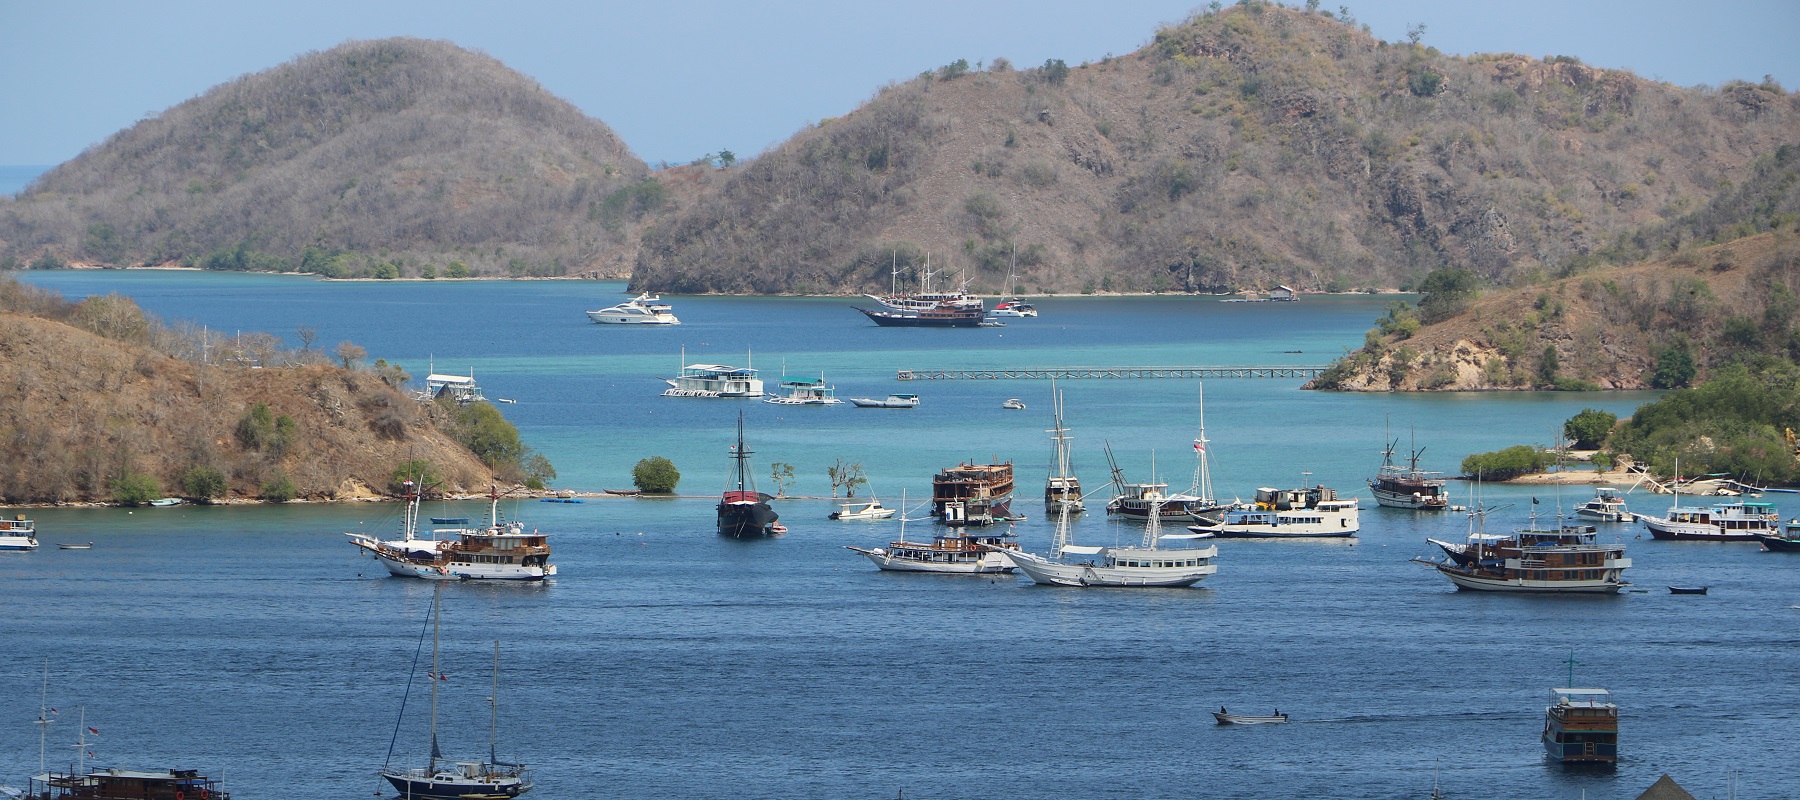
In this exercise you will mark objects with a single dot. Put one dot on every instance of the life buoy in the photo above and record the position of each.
(179, 795)
(443, 570)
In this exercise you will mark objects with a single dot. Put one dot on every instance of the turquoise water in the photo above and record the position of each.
(665, 661)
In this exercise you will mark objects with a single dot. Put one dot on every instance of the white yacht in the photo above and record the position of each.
(1608, 505)
(957, 551)
(18, 533)
(1286, 514)
(853, 510)
(645, 309)
(1146, 565)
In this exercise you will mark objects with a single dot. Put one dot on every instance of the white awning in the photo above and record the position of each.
(1081, 549)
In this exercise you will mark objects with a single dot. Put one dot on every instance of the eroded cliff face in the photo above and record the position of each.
(1644, 326)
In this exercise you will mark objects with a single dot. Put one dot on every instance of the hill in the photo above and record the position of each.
(1242, 148)
(384, 158)
(1667, 321)
(79, 411)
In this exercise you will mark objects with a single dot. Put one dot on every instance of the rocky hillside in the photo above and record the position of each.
(388, 158)
(1684, 307)
(1246, 147)
(79, 411)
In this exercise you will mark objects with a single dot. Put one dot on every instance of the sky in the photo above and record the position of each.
(677, 79)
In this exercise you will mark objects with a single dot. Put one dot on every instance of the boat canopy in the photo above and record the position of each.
(1081, 549)
(1185, 536)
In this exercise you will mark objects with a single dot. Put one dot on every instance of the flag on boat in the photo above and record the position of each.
(94, 731)
(1199, 445)
(1534, 501)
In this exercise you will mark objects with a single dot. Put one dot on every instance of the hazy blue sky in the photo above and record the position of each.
(679, 78)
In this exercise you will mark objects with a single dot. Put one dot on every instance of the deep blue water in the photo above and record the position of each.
(666, 662)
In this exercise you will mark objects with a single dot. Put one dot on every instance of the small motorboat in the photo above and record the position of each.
(1249, 719)
(892, 401)
(1688, 589)
(166, 502)
(75, 546)
(1013, 404)
(872, 510)
(777, 529)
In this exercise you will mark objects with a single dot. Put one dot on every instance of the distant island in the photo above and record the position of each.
(1242, 148)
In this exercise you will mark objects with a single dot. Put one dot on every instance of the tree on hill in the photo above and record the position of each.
(1588, 430)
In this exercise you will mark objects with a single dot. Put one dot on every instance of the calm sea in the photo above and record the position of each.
(666, 662)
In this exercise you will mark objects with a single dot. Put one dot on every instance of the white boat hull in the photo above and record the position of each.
(452, 571)
(620, 319)
(1052, 573)
(1413, 501)
(1700, 532)
(983, 564)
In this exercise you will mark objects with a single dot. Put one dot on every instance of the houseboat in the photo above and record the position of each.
(1581, 726)
(972, 494)
(714, 380)
(804, 392)
(1741, 521)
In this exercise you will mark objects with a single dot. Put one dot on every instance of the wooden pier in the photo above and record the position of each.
(1076, 373)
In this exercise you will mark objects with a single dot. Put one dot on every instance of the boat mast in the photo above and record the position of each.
(494, 711)
(436, 677)
(1202, 471)
(1062, 538)
(1060, 435)
(43, 720)
(742, 455)
(1153, 525)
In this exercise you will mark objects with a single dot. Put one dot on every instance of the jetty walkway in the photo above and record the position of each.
(1075, 373)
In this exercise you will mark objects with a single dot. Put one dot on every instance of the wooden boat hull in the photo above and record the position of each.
(1415, 501)
(1779, 543)
(746, 520)
(1479, 583)
(987, 563)
(1051, 573)
(1243, 719)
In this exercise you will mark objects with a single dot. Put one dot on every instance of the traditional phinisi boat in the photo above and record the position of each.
(972, 494)
(743, 511)
(453, 779)
(1149, 565)
(1134, 500)
(1568, 559)
(1062, 489)
(1397, 486)
(956, 551)
(500, 551)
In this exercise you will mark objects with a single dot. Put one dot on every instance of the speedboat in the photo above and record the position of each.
(645, 309)
(1013, 404)
(1608, 505)
(18, 533)
(1225, 718)
(1013, 307)
(871, 510)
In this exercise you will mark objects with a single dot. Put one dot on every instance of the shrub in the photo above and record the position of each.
(1504, 465)
(135, 489)
(1446, 293)
(1054, 72)
(261, 429)
(203, 484)
(1589, 429)
(279, 488)
(656, 475)
(1674, 365)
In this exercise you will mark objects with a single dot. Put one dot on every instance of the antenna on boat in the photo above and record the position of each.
(494, 710)
(1571, 662)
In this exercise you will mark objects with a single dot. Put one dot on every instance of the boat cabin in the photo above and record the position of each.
(459, 388)
(1581, 725)
(715, 380)
(125, 784)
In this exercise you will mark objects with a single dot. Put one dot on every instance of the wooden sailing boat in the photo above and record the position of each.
(448, 779)
(1062, 490)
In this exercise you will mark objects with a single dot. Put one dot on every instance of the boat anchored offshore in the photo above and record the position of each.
(18, 533)
(1569, 560)
(852, 510)
(645, 309)
(743, 511)
(450, 779)
(1148, 565)
(805, 392)
(1062, 490)
(955, 552)
(1287, 514)
(892, 401)
(972, 494)
(1742, 521)
(1581, 726)
(1608, 505)
(1788, 540)
(502, 551)
(713, 380)
(1396, 486)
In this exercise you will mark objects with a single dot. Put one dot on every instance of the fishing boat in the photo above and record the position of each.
(453, 779)
(972, 494)
(1397, 486)
(804, 392)
(1287, 514)
(645, 309)
(743, 511)
(1062, 490)
(871, 509)
(1225, 718)
(1568, 559)
(18, 533)
(1786, 540)
(75, 546)
(957, 551)
(1688, 589)
(501, 551)
(1148, 565)
(1741, 521)
(1581, 726)
(1607, 505)
(892, 401)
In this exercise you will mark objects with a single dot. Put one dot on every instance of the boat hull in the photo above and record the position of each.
(444, 788)
(924, 319)
(1051, 573)
(1409, 500)
(746, 520)
(864, 402)
(987, 563)
(620, 319)
(1687, 532)
(1480, 583)
(1240, 719)
(1779, 543)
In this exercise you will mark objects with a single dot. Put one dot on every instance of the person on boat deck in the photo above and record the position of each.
(1222, 710)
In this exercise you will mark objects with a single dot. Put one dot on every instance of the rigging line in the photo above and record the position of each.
(410, 675)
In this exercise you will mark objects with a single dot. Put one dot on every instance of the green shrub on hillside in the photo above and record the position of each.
(1504, 465)
(481, 428)
(136, 489)
(203, 484)
(279, 488)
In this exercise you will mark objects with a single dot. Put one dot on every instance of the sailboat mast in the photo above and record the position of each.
(43, 720)
(1153, 525)
(1062, 538)
(436, 677)
(1202, 470)
(494, 710)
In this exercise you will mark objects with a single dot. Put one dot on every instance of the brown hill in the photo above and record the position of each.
(79, 410)
(398, 154)
(1239, 149)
